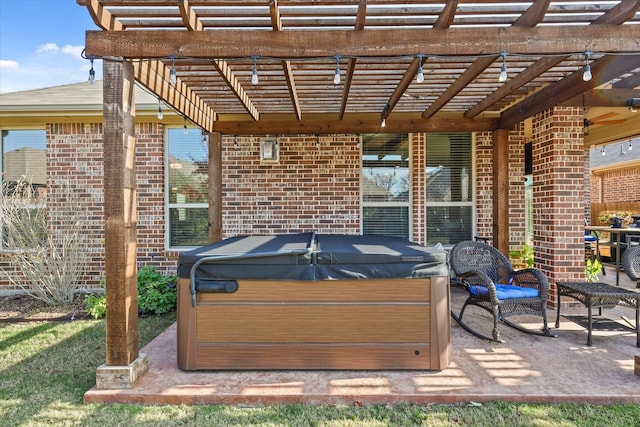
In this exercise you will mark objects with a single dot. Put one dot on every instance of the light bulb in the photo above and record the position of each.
(173, 77)
(603, 152)
(184, 128)
(503, 74)
(160, 115)
(503, 70)
(384, 123)
(420, 75)
(336, 76)
(254, 72)
(630, 146)
(92, 73)
(586, 76)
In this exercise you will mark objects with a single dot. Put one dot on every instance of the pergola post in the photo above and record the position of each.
(215, 187)
(124, 364)
(501, 190)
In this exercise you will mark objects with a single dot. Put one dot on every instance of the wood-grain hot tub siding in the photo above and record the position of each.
(309, 301)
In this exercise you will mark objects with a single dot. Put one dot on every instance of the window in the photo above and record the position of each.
(449, 196)
(24, 183)
(385, 184)
(187, 172)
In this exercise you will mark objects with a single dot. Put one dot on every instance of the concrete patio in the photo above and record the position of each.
(526, 368)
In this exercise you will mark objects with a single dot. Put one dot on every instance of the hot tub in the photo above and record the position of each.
(313, 301)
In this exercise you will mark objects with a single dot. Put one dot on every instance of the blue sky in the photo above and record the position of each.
(41, 42)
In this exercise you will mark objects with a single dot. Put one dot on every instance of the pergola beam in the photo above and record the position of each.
(603, 70)
(380, 43)
(351, 126)
(276, 24)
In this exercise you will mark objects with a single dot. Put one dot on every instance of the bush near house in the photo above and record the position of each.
(157, 294)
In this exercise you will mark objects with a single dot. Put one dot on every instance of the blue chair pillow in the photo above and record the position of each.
(505, 291)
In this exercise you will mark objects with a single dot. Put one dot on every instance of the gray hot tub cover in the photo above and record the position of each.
(311, 256)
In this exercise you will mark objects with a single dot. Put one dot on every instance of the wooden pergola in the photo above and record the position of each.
(407, 66)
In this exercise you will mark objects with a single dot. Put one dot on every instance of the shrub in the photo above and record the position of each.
(46, 262)
(157, 294)
(96, 305)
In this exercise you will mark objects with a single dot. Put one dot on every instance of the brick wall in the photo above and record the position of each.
(314, 186)
(621, 185)
(484, 184)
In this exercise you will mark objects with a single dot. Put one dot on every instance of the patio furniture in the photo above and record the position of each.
(598, 295)
(496, 287)
(631, 264)
(619, 241)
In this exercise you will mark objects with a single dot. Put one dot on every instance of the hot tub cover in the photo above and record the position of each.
(311, 256)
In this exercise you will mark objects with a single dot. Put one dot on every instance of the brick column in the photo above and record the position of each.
(558, 194)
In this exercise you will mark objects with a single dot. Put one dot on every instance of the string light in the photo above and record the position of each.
(185, 129)
(235, 141)
(336, 76)
(383, 123)
(254, 72)
(603, 151)
(503, 70)
(173, 77)
(160, 115)
(630, 146)
(586, 75)
(92, 72)
(420, 75)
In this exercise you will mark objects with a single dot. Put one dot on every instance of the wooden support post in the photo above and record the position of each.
(215, 187)
(120, 212)
(501, 190)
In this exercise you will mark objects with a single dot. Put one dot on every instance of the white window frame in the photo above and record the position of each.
(408, 204)
(472, 188)
(167, 205)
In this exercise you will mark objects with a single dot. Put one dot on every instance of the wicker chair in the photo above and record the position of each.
(631, 264)
(496, 287)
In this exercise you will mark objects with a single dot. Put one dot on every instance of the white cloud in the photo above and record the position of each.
(73, 50)
(6, 64)
(48, 48)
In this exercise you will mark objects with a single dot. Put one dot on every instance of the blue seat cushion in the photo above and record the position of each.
(590, 238)
(505, 291)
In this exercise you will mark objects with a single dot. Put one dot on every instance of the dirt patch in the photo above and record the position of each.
(22, 308)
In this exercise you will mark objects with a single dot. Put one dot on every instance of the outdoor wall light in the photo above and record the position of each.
(633, 104)
(269, 150)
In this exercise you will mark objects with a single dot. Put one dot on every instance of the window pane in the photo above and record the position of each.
(24, 160)
(448, 224)
(448, 167)
(188, 226)
(188, 161)
(385, 184)
(385, 167)
(388, 221)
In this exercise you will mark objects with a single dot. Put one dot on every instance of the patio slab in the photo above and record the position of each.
(526, 368)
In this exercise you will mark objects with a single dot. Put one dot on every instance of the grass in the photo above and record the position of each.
(46, 367)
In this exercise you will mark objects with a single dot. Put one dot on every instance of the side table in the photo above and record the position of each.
(599, 295)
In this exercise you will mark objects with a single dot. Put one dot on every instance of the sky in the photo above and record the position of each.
(41, 42)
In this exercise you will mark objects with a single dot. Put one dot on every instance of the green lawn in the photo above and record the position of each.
(46, 367)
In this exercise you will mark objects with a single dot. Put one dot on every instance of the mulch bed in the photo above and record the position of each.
(24, 308)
